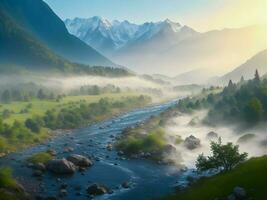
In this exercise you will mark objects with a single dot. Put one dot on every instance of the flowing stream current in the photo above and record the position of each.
(147, 179)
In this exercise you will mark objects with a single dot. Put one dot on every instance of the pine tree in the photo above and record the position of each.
(257, 77)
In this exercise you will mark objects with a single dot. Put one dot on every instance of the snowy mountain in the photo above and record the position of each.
(109, 36)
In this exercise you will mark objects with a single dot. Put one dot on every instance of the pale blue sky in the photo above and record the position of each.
(200, 14)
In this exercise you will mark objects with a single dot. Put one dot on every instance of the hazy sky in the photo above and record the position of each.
(200, 14)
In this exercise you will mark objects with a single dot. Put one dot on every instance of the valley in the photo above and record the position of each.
(133, 100)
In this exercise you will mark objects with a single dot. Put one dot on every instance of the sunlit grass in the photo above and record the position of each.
(250, 175)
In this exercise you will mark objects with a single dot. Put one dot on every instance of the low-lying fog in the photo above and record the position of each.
(126, 84)
(186, 125)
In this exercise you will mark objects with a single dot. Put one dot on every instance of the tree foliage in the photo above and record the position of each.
(224, 157)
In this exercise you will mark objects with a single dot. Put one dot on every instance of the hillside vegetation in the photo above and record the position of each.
(244, 102)
(20, 129)
(250, 175)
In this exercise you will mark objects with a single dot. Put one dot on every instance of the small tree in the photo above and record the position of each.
(254, 110)
(224, 157)
(257, 77)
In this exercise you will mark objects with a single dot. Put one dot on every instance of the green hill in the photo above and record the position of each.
(250, 175)
(21, 51)
(19, 48)
(36, 17)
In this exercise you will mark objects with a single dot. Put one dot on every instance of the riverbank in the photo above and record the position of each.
(148, 139)
(21, 136)
(92, 142)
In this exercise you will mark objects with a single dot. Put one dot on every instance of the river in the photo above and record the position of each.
(147, 179)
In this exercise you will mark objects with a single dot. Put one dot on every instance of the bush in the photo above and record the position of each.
(224, 157)
(42, 157)
(6, 179)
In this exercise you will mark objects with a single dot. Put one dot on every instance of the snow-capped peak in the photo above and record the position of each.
(96, 30)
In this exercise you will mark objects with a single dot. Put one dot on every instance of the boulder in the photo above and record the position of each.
(63, 193)
(39, 166)
(191, 142)
(61, 166)
(96, 190)
(68, 150)
(125, 185)
(239, 193)
(212, 135)
(79, 160)
(52, 152)
(109, 147)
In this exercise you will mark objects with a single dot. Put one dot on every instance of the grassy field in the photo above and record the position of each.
(39, 107)
(250, 175)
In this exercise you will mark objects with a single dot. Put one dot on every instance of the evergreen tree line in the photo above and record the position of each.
(245, 101)
(10, 95)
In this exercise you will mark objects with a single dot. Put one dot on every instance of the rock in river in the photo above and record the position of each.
(79, 160)
(97, 189)
(61, 166)
(192, 142)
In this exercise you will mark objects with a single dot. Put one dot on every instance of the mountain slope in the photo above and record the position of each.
(20, 51)
(37, 17)
(247, 70)
(20, 48)
(217, 50)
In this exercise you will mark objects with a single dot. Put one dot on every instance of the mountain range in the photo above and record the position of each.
(32, 35)
(168, 47)
(111, 36)
(247, 69)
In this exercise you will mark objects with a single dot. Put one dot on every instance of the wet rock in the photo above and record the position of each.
(192, 142)
(109, 147)
(212, 135)
(125, 185)
(239, 193)
(52, 152)
(39, 166)
(37, 173)
(61, 166)
(82, 169)
(79, 160)
(63, 193)
(2, 155)
(68, 149)
(96, 190)
(30, 165)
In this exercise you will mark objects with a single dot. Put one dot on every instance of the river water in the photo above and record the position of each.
(148, 180)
